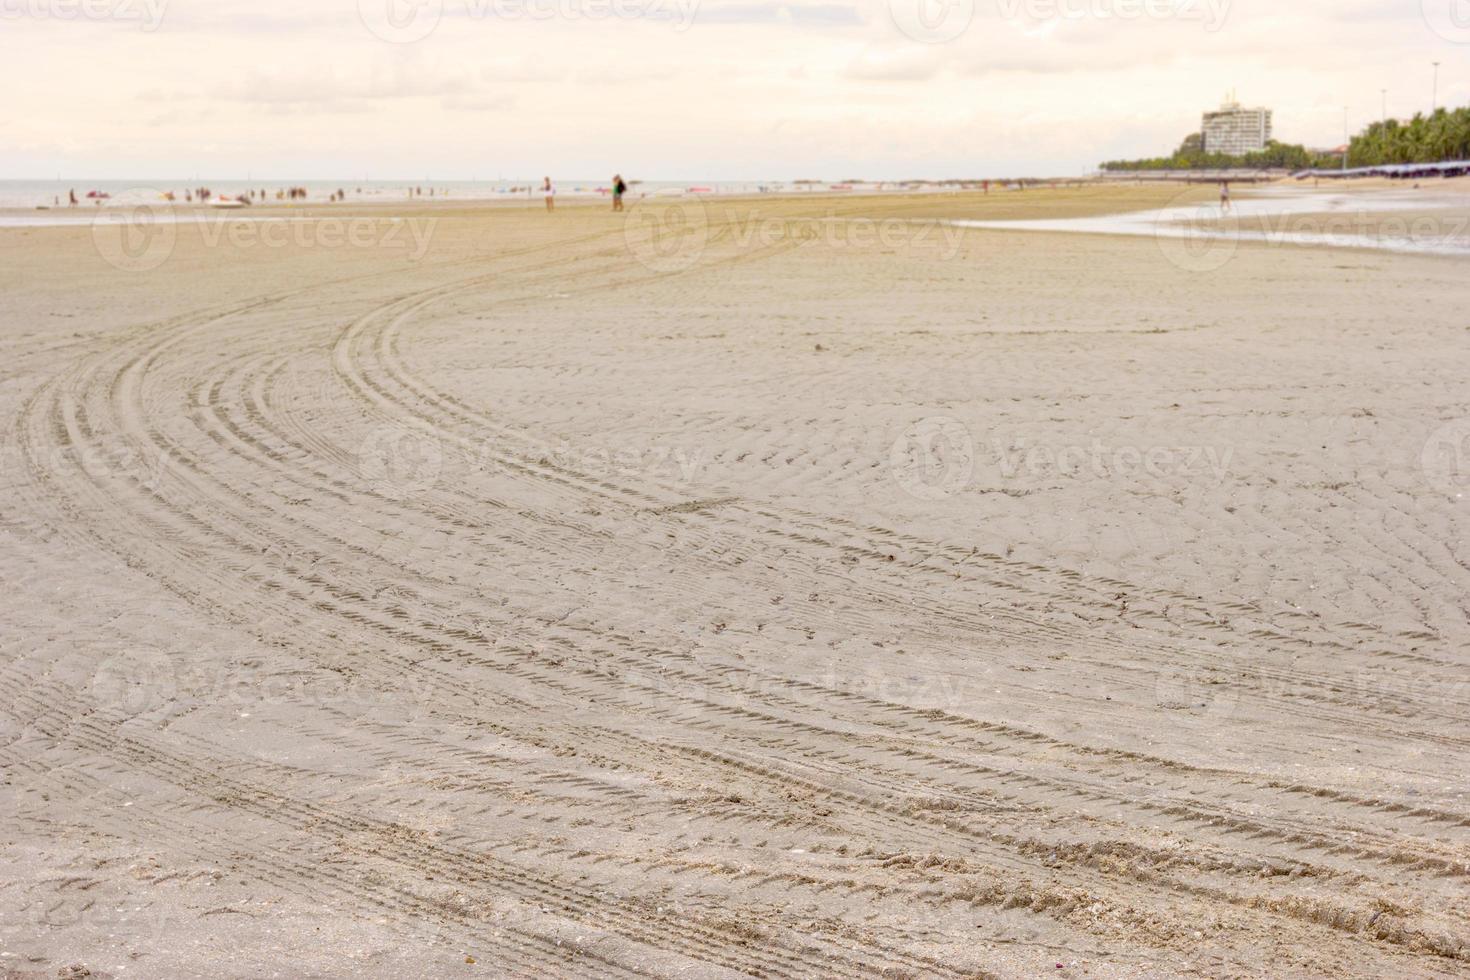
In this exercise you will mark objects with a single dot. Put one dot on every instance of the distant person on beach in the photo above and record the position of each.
(619, 188)
(548, 190)
(72, 196)
(1225, 204)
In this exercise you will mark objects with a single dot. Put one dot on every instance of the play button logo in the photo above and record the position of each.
(400, 21)
(932, 21)
(1450, 19)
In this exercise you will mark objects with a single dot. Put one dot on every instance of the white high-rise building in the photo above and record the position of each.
(1235, 130)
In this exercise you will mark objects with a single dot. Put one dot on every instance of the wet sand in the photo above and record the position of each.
(782, 588)
(1431, 219)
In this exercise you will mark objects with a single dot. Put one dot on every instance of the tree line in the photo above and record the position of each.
(1444, 135)
(1191, 155)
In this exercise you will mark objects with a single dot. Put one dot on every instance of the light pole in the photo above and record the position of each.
(1385, 108)
(1347, 142)
(1434, 99)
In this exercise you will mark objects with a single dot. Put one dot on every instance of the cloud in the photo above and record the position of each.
(752, 89)
(623, 74)
(523, 71)
(781, 14)
(480, 103)
(329, 87)
(905, 64)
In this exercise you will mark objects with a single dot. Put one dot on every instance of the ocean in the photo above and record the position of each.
(32, 194)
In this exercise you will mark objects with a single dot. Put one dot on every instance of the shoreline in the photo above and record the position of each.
(1368, 214)
(1431, 221)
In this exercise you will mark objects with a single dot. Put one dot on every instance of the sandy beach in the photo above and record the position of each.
(788, 588)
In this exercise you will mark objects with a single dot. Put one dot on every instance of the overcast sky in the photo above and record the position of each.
(687, 89)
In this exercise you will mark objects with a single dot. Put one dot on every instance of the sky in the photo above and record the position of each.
(688, 89)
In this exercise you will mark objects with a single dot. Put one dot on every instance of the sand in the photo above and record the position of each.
(781, 588)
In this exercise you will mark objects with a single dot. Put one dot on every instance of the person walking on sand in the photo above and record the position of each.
(1225, 205)
(619, 188)
(548, 190)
